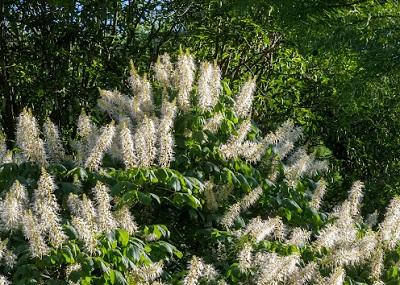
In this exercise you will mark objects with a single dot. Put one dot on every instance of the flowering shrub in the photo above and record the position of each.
(179, 186)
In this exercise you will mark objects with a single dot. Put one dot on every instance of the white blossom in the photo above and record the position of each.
(127, 146)
(183, 80)
(14, 204)
(145, 142)
(163, 69)
(105, 219)
(53, 143)
(103, 143)
(245, 257)
(125, 220)
(32, 232)
(318, 194)
(29, 140)
(244, 100)
(209, 85)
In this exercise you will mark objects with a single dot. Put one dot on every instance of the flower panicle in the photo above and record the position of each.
(84, 220)
(210, 197)
(183, 80)
(377, 264)
(242, 205)
(29, 140)
(87, 137)
(163, 69)
(165, 136)
(251, 198)
(355, 197)
(142, 102)
(253, 152)
(353, 253)
(47, 209)
(85, 233)
(114, 104)
(299, 237)
(147, 273)
(103, 143)
(318, 194)
(304, 275)
(275, 269)
(245, 257)
(244, 100)
(284, 138)
(301, 164)
(105, 220)
(260, 229)
(232, 148)
(196, 267)
(34, 235)
(197, 270)
(129, 156)
(125, 220)
(389, 228)
(3, 149)
(230, 216)
(53, 141)
(336, 278)
(209, 85)
(14, 204)
(4, 280)
(145, 142)
(85, 125)
(6, 254)
(213, 124)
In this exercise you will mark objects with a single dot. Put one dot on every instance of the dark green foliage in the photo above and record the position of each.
(355, 44)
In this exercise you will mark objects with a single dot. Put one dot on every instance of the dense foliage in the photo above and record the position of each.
(354, 44)
(331, 67)
(213, 199)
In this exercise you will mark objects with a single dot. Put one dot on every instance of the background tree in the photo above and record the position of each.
(354, 44)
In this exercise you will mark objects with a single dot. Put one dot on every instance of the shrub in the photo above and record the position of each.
(205, 187)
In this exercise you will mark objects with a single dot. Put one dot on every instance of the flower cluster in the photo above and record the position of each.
(40, 221)
(340, 245)
(91, 219)
(199, 270)
(29, 140)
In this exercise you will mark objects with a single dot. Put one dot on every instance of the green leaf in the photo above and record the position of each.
(80, 172)
(135, 252)
(122, 237)
(155, 197)
(67, 255)
(175, 183)
(288, 214)
(244, 184)
(178, 254)
(103, 266)
(144, 198)
(294, 205)
(186, 199)
(393, 272)
(129, 197)
(68, 187)
(111, 275)
(120, 279)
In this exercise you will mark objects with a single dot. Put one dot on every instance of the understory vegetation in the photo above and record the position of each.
(176, 184)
